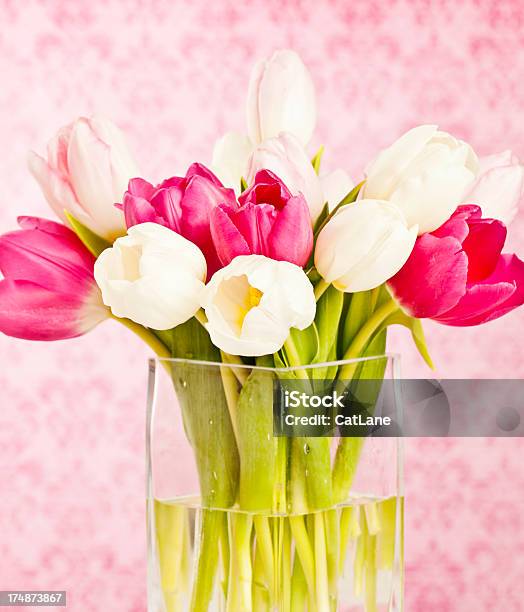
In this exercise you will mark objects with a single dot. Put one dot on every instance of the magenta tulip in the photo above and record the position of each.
(183, 204)
(270, 222)
(456, 274)
(48, 291)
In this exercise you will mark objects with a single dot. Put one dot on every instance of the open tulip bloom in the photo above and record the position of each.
(266, 261)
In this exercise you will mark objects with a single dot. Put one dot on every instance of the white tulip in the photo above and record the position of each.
(253, 302)
(364, 245)
(499, 187)
(87, 170)
(281, 98)
(152, 276)
(287, 158)
(425, 173)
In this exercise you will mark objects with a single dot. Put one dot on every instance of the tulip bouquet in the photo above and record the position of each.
(264, 261)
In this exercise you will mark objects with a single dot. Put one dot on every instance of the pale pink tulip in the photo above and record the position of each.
(87, 170)
(499, 188)
(48, 291)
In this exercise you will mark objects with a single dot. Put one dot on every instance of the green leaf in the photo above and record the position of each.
(92, 241)
(417, 332)
(317, 159)
(321, 218)
(243, 184)
(327, 319)
(357, 314)
(306, 342)
(348, 199)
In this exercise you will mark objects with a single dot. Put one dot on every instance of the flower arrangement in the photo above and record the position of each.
(262, 260)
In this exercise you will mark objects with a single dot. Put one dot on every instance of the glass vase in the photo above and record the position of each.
(241, 519)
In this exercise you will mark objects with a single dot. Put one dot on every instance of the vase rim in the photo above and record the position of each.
(389, 356)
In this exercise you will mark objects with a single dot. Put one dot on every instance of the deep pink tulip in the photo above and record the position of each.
(183, 204)
(48, 291)
(456, 274)
(270, 222)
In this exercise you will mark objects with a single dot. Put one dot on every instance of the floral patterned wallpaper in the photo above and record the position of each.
(173, 75)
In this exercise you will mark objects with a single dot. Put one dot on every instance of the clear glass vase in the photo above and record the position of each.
(241, 519)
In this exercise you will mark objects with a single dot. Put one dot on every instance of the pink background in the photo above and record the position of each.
(173, 75)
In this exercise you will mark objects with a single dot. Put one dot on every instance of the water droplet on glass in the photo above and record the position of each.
(307, 450)
(215, 475)
(211, 421)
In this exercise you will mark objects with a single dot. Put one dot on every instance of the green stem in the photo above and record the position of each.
(241, 373)
(293, 357)
(240, 569)
(298, 587)
(364, 336)
(303, 549)
(285, 590)
(321, 287)
(229, 382)
(261, 601)
(170, 533)
(207, 560)
(264, 544)
(332, 545)
(321, 572)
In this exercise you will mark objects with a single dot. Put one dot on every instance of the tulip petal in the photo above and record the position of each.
(141, 188)
(138, 210)
(383, 171)
(483, 246)
(230, 159)
(286, 158)
(32, 312)
(430, 199)
(497, 295)
(434, 277)
(291, 238)
(281, 98)
(167, 206)
(56, 189)
(91, 174)
(199, 199)
(335, 186)
(123, 165)
(227, 239)
(46, 253)
(499, 192)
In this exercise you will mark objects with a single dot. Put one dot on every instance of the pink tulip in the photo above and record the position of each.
(270, 222)
(456, 274)
(48, 291)
(183, 204)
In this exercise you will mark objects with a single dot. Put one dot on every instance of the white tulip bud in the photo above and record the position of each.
(281, 98)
